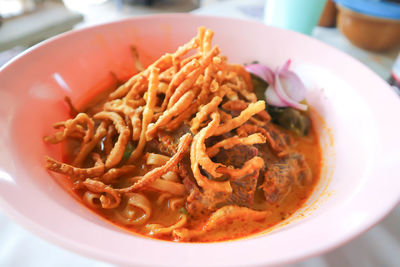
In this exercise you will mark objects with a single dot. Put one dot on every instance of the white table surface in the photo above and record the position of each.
(380, 246)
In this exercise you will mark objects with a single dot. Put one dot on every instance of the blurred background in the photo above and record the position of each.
(368, 30)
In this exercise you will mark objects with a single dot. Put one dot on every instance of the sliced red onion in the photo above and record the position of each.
(286, 66)
(291, 83)
(272, 98)
(261, 71)
(285, 87)
(293, 86)
(280, 92)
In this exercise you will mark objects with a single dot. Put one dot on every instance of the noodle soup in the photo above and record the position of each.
(184, 151)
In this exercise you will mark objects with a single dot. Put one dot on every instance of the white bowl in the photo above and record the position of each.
(358, 128)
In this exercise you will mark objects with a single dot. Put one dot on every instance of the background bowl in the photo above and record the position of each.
(371, 25)
(359, 183)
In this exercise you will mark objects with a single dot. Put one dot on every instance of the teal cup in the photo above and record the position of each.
(297, 15)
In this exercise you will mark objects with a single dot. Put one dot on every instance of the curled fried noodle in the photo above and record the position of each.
(158, 229)
(192, 77)
(109, 199)
(75, 172)
(92, 199)
(112, 174)
(248, 168)
(235, 140)
(175, 203)
(108, 139)
(147, 113)
(135, 202)
(71, 127)
(117, 152)
(251, 110)
(179, 78)
(182, 104)
(173, 188)
(156, 159)
(239, 105)
(198, 153)
(162, 63)
(171, 176)
(86, 148)
(162, 197)
(204, 112)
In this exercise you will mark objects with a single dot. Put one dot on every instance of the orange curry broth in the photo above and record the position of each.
(308, 146)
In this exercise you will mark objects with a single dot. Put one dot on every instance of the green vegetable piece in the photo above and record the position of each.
(183, 210)
(290, 119)
(128, 151)
(259, 86)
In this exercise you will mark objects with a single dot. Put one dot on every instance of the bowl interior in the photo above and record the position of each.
(355, 120)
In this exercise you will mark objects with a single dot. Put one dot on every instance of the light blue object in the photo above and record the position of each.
(296, 15)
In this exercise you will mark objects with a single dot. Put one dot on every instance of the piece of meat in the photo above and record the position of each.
(236, 156)
(283, 174)
(278, 182)
(303, 174)
(266, 153)
(212, 140)
(269, 156)
(243, 190)
(185, 172)
(167, 142)
(201, 202)
(177, 133)
(205, 202)
(198, 202)
(278, 140)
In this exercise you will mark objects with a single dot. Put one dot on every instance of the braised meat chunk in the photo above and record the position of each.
(202, 202)
(236, 156)
(282, 175)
